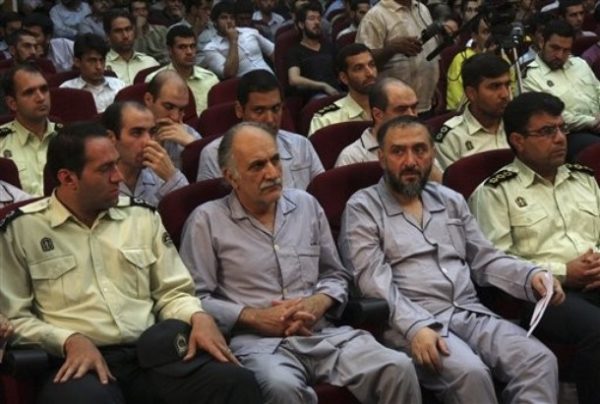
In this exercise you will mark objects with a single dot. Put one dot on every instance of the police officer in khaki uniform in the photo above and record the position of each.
(570, 78)
(357, 70)
(548, 212)
(25, 140)
(486, 81)
(84, 273)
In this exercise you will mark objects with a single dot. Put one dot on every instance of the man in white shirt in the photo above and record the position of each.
(265, 15)
(234, 52)
(66, 16)
(58, 50)
(90, 59)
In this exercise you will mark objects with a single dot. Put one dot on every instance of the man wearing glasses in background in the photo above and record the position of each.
(542, 210)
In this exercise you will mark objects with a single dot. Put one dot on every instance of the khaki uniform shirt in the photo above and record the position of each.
(28, 152)
(575, 84)
(388, 21)
(463, 136)
(200, 82)
(343, 110)
(109, 282)
(549, 224)
(126, 70)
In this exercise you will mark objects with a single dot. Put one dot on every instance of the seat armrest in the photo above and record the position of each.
(361, 311)
(20, 362)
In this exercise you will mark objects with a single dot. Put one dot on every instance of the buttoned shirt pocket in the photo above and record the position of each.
(136, 271)
(308, 258)
(530, 226)
(53, 280)
(589, 209)
(456, 230)
(300, 175)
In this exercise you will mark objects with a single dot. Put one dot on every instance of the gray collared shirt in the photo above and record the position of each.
(299, 160)
(151, 188)
(11, 194)
(424, 271)
(236, 262)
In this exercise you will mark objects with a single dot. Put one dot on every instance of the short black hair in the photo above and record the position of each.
(39, 20)
(465, 3)
(188, 4)
(519, 111)
(89, 42)
(9, 16)
(8, 79)
(354, 4)
(482, 66)
(256, 81)
(112, 118)
(223, 7)
(347, 51)
(112, 15)
(558, 27)
(66, 150)
(402, 122)
(14, 38)
(310, 6)
(179, 31)
(563, 4)
(244, 7)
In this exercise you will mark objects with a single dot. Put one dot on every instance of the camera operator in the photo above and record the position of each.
(392, 30)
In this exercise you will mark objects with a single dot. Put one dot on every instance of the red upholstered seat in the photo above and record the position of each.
(190, 157)
(223, 92)
(590, 156)
(331, 140)
(72, 105)
(9, 172)
(334, 187)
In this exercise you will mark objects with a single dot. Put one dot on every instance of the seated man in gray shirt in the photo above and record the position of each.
(148, 172)
(259, 100)
(415, 244)
(266, 267)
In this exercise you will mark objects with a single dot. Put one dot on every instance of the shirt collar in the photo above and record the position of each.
(368, 141)
(394, 6)
(114, 56)
(545, 69)
(432, 201)
(59, 213)
(20, 130)
(529, 177)
(284, 206)
(349, 104)
(475, 128)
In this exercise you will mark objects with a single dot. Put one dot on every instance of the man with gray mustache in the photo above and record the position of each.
(266, 267)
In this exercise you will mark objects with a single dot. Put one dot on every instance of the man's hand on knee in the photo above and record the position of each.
(81, 356)
(426, 346)
(207, 336)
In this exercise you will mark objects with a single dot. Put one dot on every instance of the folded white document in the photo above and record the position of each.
(541, 305)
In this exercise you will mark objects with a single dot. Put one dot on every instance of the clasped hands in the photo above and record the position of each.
(287, 317)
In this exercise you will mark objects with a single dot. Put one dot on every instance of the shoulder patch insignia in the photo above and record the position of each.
(500, 177)
(439, 137)
(327, 109)
(142, 203)
(581, 168)
(5, 131)
(9, 217)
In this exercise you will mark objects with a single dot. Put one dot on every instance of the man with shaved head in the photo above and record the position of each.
(148, 172)
(388, 98)
(167, 96)
(266, 267)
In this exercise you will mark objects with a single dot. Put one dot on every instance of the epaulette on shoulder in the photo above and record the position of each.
(439, 137)
(5, 131)
(36, 206)
(581, 168)
(499, 177)
(8, 218)
(327, 109)
(140, 202)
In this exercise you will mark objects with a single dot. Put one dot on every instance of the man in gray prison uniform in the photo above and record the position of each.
(265, 265)
(415, 244)
(259, 100)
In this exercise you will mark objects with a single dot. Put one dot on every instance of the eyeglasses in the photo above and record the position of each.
(548, 131)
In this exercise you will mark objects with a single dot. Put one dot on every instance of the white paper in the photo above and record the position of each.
(541, 305)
